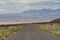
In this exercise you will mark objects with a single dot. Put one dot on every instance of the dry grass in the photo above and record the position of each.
(9, 30)
(50, 28)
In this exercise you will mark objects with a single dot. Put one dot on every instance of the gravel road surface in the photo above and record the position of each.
(30, 32)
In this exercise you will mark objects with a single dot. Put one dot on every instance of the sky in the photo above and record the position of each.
(18, 6)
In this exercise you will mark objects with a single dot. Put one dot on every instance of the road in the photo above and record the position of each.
(30, 32)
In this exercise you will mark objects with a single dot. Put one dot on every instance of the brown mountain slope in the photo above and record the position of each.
(56, 20)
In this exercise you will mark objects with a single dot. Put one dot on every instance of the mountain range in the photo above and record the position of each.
(31, 15)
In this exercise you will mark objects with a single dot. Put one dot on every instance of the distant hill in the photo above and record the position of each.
(56, 20)
(44, 11)
(31, 15)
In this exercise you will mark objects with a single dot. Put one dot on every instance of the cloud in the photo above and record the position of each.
(17, 6)
(2, 2)
(48, 5)
(2, 10)
(55, 0)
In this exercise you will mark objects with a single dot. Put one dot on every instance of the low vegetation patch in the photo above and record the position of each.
(52, 29)
(6, 31)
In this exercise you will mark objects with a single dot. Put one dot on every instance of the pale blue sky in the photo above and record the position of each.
(17, 6)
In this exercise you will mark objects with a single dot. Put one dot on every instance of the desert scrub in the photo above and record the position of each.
(52, 29)
(9, 30)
